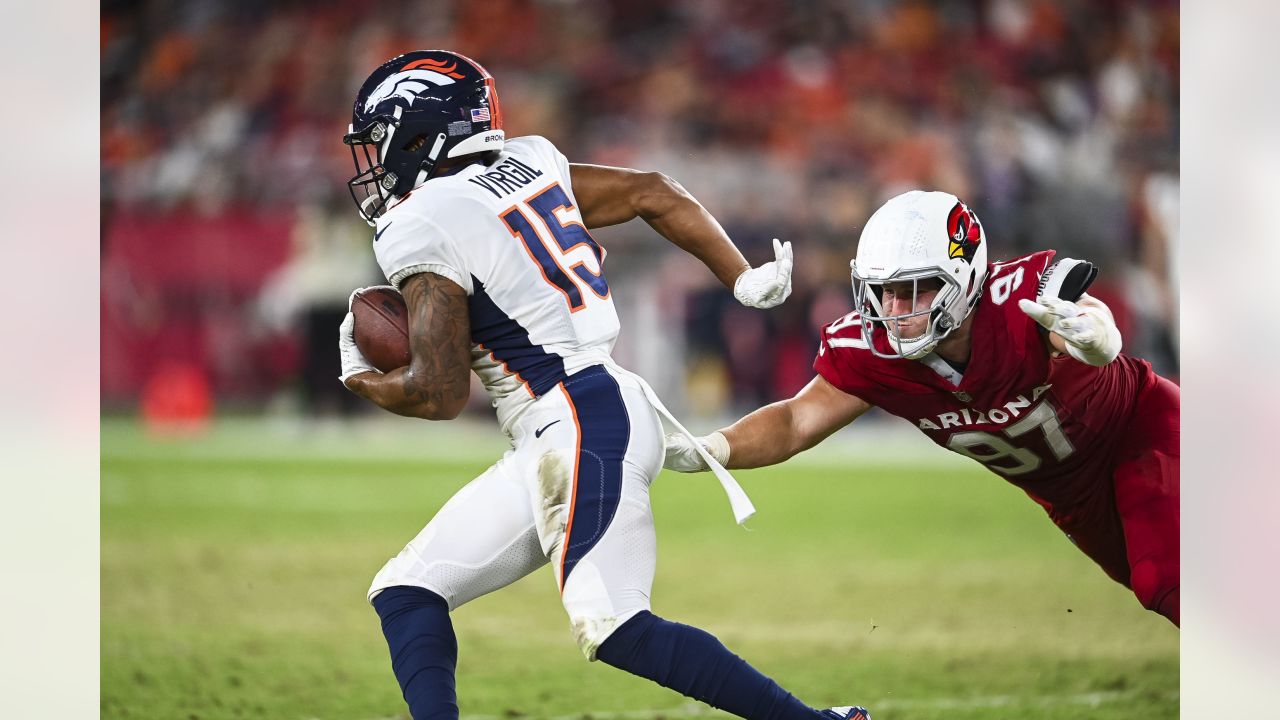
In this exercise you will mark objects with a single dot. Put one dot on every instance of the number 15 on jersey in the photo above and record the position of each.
(572, 279)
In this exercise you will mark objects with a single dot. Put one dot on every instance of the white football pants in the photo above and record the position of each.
(573, 491)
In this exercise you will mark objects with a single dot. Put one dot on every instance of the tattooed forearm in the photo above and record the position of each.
(436, 384)
(440, 336)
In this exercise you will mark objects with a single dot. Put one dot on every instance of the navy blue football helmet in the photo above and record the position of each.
(414, 111)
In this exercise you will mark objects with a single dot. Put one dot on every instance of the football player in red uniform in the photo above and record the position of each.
(1011, 364)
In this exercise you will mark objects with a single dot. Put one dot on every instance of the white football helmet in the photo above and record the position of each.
(913, 237)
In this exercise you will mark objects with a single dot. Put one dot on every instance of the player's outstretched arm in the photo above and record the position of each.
(1084, 329)
(609, 196)
(773, 433)
(436, 384)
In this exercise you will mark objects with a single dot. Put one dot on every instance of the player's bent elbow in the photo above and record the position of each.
(434, 400)
(445, 414)
(435, 411)
(656, 193)
(445, 408)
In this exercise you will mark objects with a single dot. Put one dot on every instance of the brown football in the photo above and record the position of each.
(382, 326)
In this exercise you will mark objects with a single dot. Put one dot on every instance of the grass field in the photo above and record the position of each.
(234, 569)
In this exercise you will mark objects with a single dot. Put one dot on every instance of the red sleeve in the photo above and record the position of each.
(839, 350)
(825, 364)
(1001, 323)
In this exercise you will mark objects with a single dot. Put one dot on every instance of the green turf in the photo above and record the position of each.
(234, 569)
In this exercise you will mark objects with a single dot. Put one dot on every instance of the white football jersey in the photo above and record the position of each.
(510, 234)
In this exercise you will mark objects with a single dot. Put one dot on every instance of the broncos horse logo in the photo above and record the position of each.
(408, 83)
(964, 232)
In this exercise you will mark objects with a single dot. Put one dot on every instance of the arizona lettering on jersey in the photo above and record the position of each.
(510, 234)
(1047, 424)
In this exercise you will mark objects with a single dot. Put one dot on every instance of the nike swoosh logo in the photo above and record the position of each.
(538, 433)
(378, 234)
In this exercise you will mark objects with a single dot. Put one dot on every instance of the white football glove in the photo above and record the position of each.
(353, 361)
(1090, 332)
(768, 285)
(682, 456)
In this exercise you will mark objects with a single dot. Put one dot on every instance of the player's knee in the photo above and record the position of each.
(1156, 587)
(597, 606)
(401, 571)
(590, 632)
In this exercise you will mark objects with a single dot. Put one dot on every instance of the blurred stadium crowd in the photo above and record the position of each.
(230, 243)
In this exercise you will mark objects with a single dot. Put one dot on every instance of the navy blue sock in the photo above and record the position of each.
(693, 662)
(424, 651)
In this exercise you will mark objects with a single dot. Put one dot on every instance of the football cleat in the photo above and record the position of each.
(846, 713)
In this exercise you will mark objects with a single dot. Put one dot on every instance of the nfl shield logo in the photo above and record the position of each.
(480, 114)
(963, 397)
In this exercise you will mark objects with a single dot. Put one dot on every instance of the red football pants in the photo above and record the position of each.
(1136, 540)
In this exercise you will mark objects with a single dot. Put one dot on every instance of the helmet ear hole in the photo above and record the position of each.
(415, 143)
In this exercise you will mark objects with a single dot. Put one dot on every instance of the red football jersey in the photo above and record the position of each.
(1047, 424)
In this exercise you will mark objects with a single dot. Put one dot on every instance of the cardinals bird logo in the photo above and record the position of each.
(964, 231)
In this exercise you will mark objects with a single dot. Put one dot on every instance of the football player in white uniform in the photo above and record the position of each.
(487, 238)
